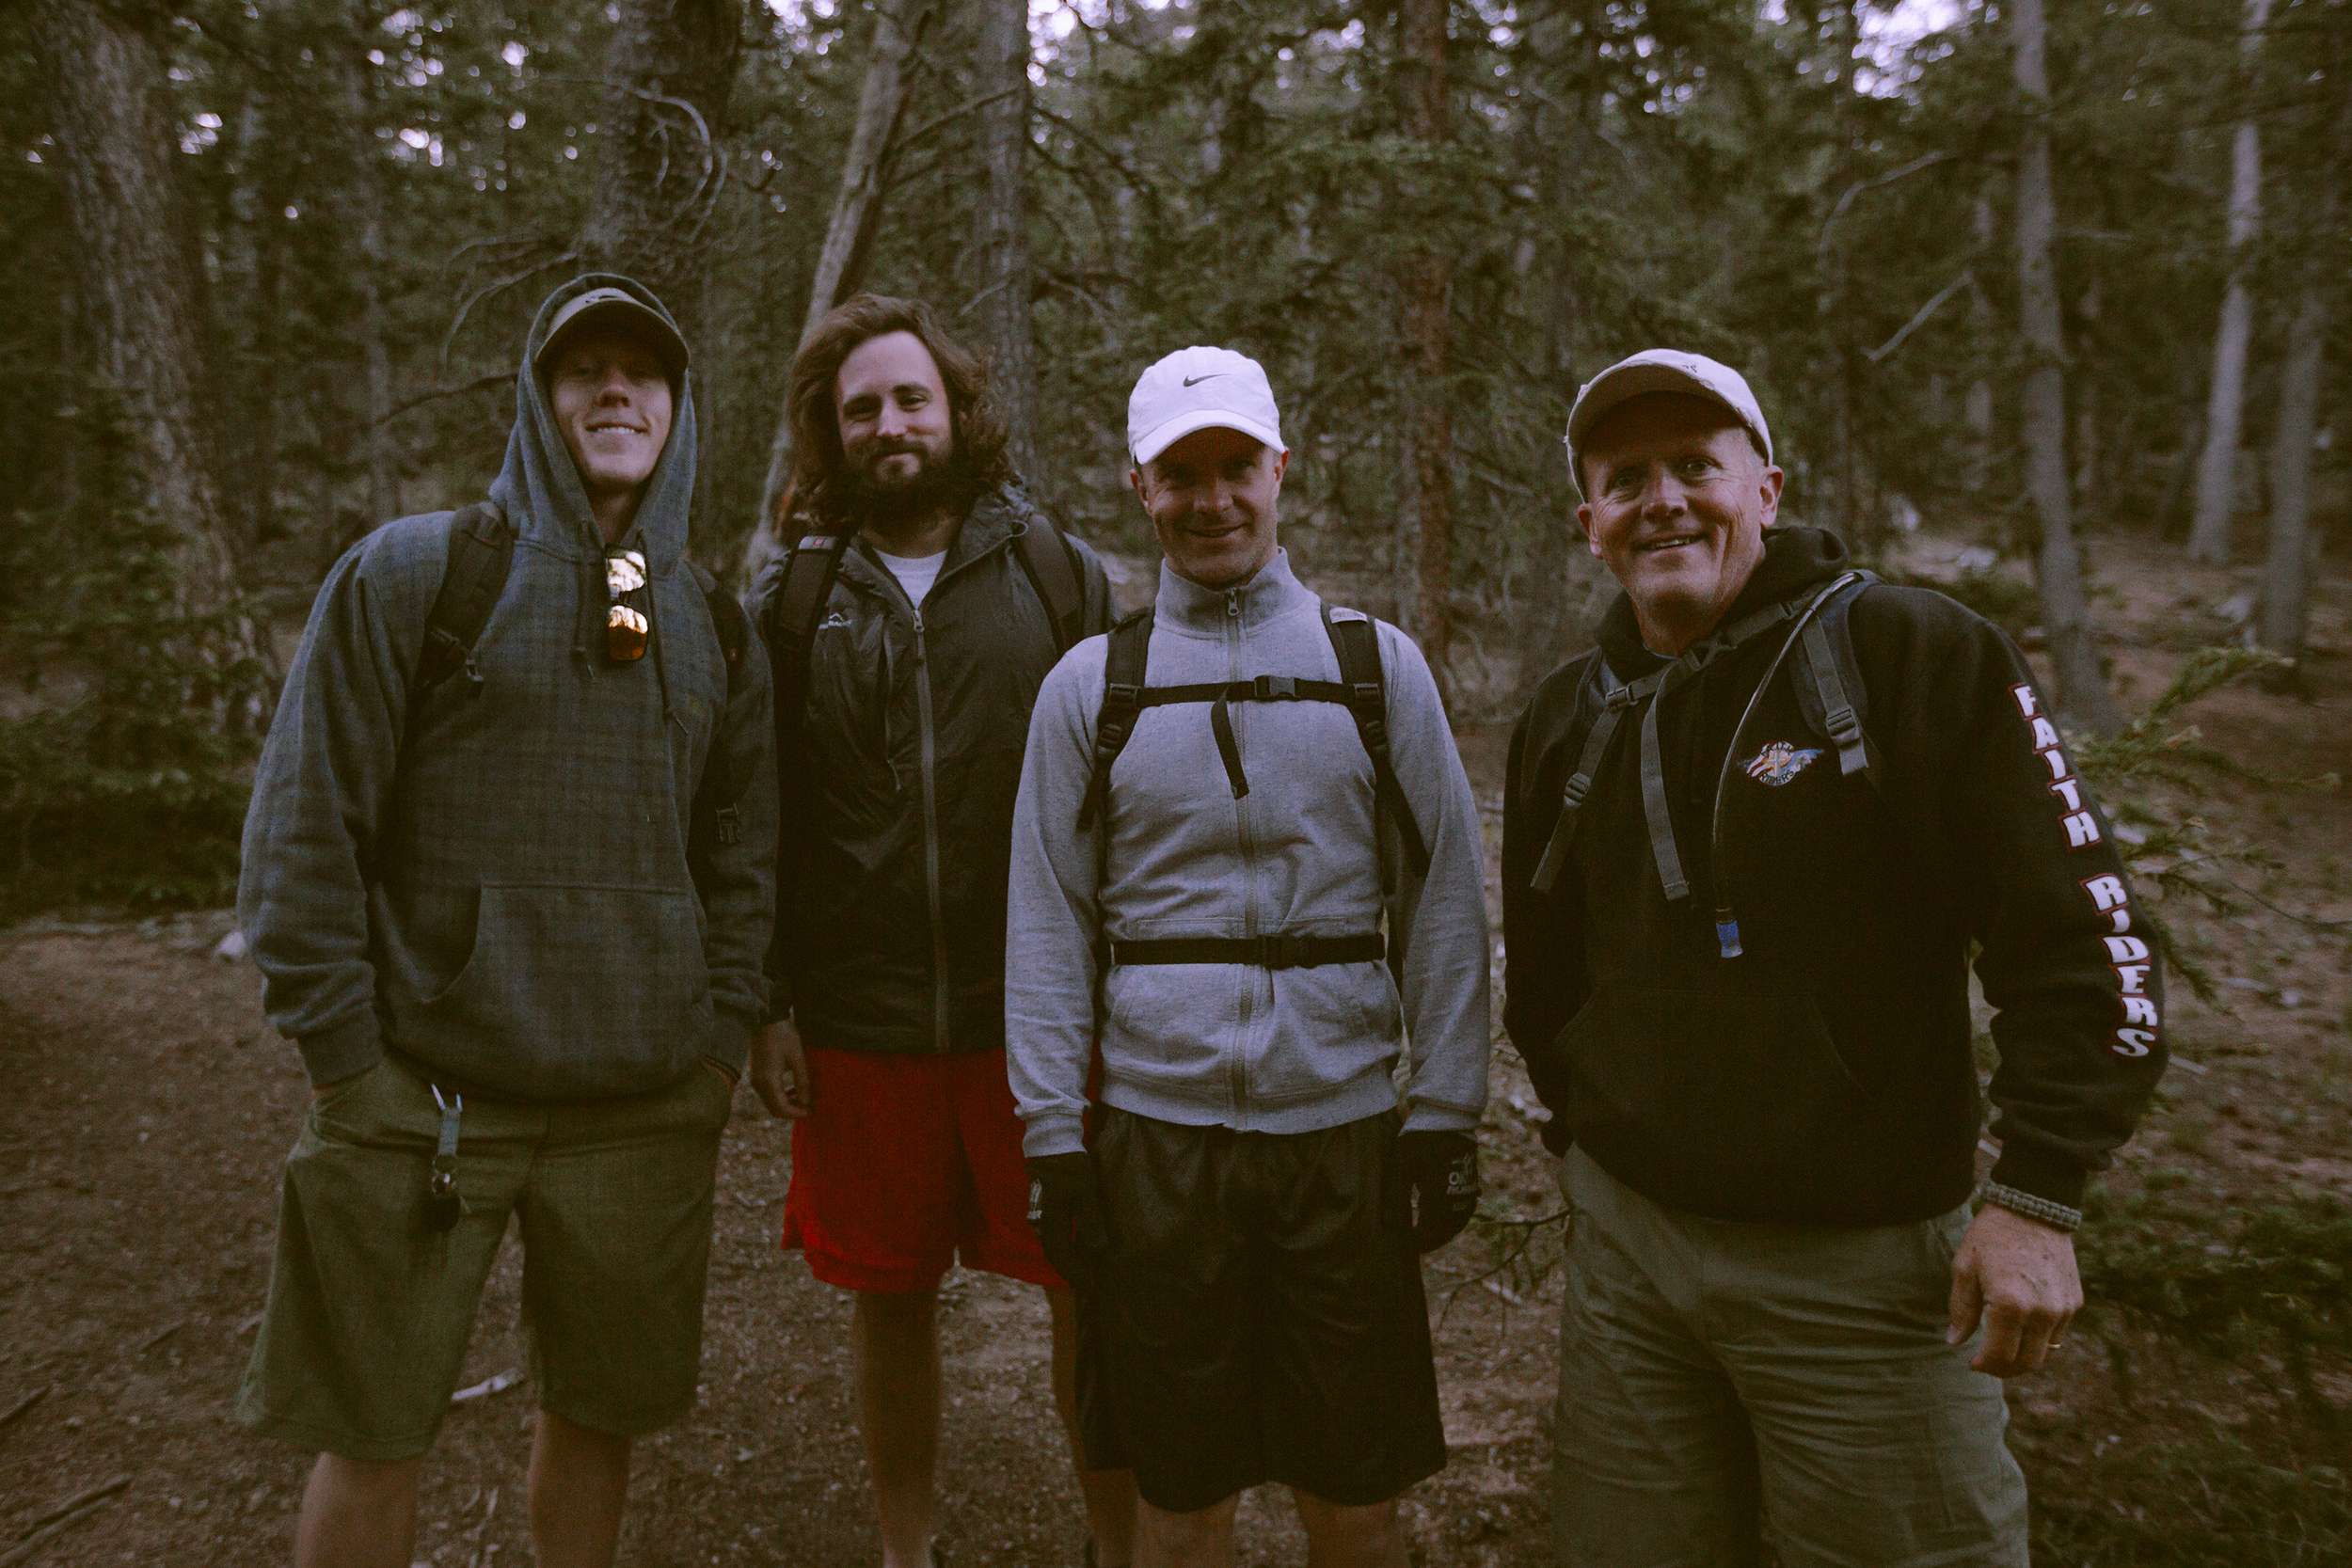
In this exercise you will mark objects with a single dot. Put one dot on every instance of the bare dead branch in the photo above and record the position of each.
(1966, 278)
(1860, 187)
(479, 383)
(500, 287)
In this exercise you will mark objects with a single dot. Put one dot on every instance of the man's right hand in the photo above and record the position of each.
(1066, 1209)
(780, 1071)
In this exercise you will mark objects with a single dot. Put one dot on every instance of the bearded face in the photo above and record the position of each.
(900, 457)
(891, 478)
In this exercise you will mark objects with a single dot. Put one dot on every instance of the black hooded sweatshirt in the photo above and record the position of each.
(1825, 1075)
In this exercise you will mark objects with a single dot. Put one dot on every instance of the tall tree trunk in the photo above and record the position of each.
(1563, 143)
(1425, 521)
(117, 140)
(363, 216)
(252, 268)
(1004, 226)
(850, 236)
(2082, 692)
(660, 165)
(2216, 466)
(1846, 514)
(2286, 586)
(1978, 407)
(2089, 491)
(857, 208)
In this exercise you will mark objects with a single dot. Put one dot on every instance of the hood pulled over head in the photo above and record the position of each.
(540, 488)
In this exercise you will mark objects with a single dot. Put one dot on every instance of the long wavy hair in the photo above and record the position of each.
(814, 490)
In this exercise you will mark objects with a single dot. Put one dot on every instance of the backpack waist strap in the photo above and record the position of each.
(1281, 950)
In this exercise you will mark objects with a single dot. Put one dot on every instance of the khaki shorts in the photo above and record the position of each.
(370, 1308)
(1724, 1384)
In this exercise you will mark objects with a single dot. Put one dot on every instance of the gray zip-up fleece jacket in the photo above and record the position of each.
(1257, 1050)
(514, 901)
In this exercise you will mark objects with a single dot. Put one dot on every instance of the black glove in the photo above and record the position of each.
(1435, 1178)
(1068, 1213)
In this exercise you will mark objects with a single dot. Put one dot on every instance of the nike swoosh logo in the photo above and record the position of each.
(1196, 380)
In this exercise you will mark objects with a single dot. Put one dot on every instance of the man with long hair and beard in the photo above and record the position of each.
(910, 625)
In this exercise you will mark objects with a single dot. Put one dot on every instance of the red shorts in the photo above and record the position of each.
(905, 1165)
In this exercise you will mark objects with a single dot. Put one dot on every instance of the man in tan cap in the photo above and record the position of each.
(1747, 843)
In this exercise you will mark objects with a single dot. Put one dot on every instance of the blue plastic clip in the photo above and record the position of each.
(1727, 934)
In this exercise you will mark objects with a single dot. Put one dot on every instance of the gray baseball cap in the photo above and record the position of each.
(1662, 370)
(601, 305)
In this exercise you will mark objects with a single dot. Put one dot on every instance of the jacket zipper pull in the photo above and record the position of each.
(1727, 933)
(1233, 601)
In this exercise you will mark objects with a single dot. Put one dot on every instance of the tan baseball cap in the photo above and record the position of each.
(1662, 370)
(599, 305)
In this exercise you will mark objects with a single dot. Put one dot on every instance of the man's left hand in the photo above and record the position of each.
(2018, 1276)
(1440, 1172)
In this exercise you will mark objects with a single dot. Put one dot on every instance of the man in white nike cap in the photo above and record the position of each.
(1748, 841)
(1239, 813)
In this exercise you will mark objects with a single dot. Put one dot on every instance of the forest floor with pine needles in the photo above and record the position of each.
(148, 1104)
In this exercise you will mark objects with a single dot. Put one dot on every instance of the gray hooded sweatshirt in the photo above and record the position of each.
(1303, 852)
(510, 895)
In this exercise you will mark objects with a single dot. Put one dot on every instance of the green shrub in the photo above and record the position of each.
(2281, 1282)
(133, 792)
(2209, 1504)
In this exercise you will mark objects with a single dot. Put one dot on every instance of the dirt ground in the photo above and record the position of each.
(145, 1106)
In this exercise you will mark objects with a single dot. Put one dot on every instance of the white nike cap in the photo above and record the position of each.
(1662, 370)
(1199, 388)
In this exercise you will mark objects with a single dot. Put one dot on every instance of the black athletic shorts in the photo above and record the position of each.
(1258, 1318)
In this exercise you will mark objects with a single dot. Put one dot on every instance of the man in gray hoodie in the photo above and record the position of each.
(1221, 808)
(515, 920)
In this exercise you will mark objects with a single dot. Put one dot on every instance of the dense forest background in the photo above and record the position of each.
(2064, 275)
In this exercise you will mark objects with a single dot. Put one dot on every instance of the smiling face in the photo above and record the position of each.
(898, 429)
(1681, 500)
(1211, 496)
(611, 393)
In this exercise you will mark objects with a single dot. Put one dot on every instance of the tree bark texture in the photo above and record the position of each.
(251, 262)
(2082, 692)
(856, 214)
(1004, 226)
(1563, 145)
(660, 164)
(1978, 404)
(2286, 580)
(2217, 464)
(117, 140)
(364, 203)
(857, 209)
(1425, 521)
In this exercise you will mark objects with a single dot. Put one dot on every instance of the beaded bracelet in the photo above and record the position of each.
(2042, 1209)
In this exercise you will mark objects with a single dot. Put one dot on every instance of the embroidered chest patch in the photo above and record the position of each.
(1778, 763)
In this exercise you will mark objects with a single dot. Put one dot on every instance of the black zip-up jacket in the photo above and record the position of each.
(898, 792)
(1826, 1076)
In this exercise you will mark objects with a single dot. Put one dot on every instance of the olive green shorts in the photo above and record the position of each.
(1726, 1384)
(364, 1337)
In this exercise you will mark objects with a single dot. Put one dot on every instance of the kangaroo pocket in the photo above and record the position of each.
(570, 991)
(1732, 1105)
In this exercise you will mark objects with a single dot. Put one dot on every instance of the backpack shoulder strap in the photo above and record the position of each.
(480, 553)
(1612, 699)
(1051, 563)
(1124, 663)
(728, 620)
(1357, 642)
(1829, 693)
(789, 612)
(725, 779)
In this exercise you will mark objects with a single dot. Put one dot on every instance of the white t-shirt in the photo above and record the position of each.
(916, 573)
